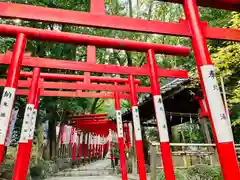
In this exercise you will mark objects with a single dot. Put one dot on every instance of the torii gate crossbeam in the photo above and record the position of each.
(28, 12)
(87, 67)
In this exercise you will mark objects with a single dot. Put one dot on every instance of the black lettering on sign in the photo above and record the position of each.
(215, 87)
(211, 74)
(7, 94)
(223, 116)
(5, 104)
(29, 108)
(3, 114)
(160, 100)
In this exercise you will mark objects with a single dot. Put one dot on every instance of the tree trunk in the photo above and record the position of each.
(39, 144)
(93, 107)
(58, 139)
(145, 146)
(52, 138)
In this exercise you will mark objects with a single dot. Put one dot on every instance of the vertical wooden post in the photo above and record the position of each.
(134, 161)
(205, 129)
(185, 160)
(79, 155)
(215, 160)
(153, 163)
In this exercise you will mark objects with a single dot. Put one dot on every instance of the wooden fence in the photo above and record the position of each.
(185, 155)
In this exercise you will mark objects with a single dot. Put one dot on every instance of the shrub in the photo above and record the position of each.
(42, 169)
(203, 172)
(199, 172)
(6, 170)
(180, 175)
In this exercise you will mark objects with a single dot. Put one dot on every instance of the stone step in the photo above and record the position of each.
(83, 173)
(108, 177)
(87, 169)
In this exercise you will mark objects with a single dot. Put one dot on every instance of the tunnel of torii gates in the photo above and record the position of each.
(97, 140)
(190, 27)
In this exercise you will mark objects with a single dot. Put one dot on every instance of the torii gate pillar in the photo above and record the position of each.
(217, 114)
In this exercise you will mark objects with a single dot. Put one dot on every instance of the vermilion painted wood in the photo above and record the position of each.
(120, 136)
(127, 135)
(204, 112)
(98, 68)
(30, 141)
(96, 7)
(99, 121)
(160, 118)
(223, 139)
(93, 122)
(74, 86)
(24, 92)
(102, 128)
(87, 119)
(137, 130)
(10, 86)
(28, 12)
(87, 115)
(71, 77)
(103, 42)
(22, 160)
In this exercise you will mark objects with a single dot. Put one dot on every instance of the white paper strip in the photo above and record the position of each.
(33, 123)
(161, 118)
(219, 116)
(136, 123)
(5, 111)
(26, 123)
(119, 123)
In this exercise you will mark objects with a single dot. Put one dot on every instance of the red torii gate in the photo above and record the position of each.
(25, 150)
(88, 116)
(121, 142)
(99, 20)
(91, 126)
(192, 27)
(97, 125)
(119, 70)
(97, 68)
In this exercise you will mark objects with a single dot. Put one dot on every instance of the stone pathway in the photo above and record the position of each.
(99, 170)
(87, 178)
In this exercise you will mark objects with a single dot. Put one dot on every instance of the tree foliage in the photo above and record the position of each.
(227, 62)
